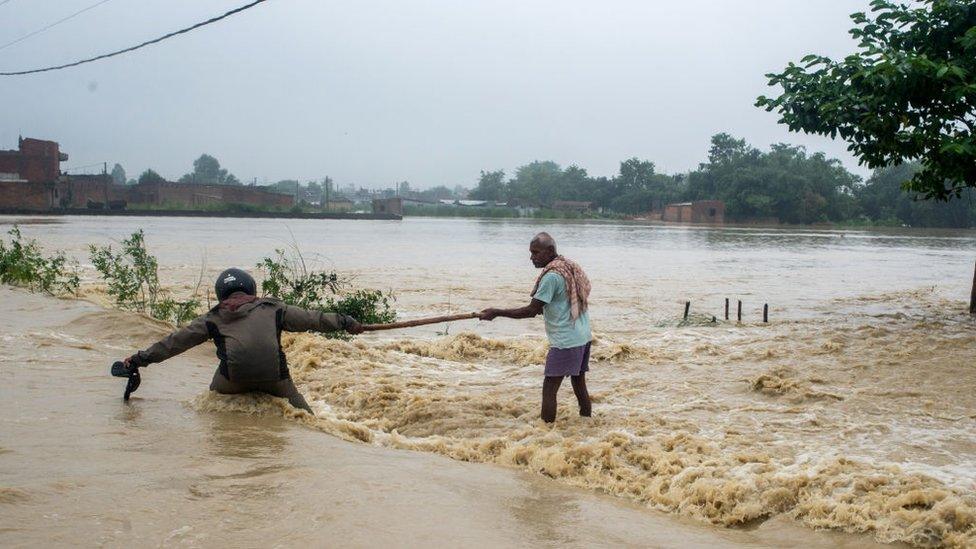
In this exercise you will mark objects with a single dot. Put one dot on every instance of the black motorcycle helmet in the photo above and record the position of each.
(234, 280)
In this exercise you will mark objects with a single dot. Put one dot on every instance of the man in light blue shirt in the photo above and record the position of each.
(560, 294)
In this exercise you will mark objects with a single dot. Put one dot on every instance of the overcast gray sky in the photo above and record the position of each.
(431, 92)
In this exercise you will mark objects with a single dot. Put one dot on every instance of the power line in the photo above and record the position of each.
(144, 44)
(4, 2)
(54, 24)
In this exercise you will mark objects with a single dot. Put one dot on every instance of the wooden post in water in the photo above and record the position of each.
(740, 310)
(687, 307)
(972, 296)
(765, 312)
(726, 308)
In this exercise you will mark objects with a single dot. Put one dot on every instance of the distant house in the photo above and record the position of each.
(571, 206)
(701, 211)
(338, 204)
(392, 206)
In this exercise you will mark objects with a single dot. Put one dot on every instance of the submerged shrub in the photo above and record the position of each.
(23, 264)
(133, 281)
(288, 278)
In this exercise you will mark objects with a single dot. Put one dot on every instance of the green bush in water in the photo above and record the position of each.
(23, 264)
(288, 278)
(133, 281)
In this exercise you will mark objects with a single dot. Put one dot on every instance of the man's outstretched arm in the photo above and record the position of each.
(534, 308)
(175, 343)
(297, 319)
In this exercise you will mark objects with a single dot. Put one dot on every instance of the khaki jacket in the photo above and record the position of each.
(248, 339)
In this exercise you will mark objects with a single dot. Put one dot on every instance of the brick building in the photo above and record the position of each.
(34, 161)
(702, 211)
(388, 206)
(31, 179)
(191, 195)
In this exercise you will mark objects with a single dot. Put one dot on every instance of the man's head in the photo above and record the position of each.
(542, 250)
(234, 280)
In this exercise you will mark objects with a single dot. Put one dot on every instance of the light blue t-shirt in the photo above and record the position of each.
(562, 330)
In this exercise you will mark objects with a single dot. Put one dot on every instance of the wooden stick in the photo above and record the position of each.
(726, 308)
(765, 312)
(972, 297)
(740, 311)
(417, 322)
(687, 306)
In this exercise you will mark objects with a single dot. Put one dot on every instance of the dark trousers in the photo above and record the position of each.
(550, 388)
(284, 388)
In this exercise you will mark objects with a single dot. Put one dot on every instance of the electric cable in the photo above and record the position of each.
(142, 45)
(54, 24)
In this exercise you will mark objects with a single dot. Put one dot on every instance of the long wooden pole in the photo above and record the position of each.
(972, 296)
(417, 322)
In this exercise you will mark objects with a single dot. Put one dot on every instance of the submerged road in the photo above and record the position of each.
(80, 467)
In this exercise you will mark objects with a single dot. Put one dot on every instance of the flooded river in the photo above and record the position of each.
(853, 410)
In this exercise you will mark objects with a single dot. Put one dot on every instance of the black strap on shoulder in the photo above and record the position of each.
(282, 360)
(218, 339)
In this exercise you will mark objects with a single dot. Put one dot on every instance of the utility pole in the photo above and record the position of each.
(327, 183)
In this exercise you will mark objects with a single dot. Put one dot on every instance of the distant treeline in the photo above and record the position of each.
(785, 184)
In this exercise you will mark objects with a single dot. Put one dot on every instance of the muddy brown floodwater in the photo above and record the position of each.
(848, 419)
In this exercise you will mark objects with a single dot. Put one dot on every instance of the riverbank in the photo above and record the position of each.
(258, 214)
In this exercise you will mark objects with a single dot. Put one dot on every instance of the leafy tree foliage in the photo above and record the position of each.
(118, 175)
(22, 263)
(908, 94)
(785, 183)
(882, 200)
(439, 192)
(491, 186)
(207, 171)
(150, 176)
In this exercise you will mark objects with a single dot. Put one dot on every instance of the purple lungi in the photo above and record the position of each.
(568, 362)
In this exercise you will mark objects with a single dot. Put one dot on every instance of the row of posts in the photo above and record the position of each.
(972, 306)
(766, 307)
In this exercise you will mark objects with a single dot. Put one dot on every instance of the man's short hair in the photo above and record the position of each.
(545, 239)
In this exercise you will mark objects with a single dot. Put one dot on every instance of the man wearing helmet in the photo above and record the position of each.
(246, 330)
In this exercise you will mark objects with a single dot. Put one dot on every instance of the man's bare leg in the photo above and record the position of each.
(550, 387)
(582, 395)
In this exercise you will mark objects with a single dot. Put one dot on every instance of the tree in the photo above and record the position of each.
(207, 171)
(635, 174)
(908, 94)
(286, 186)
(149, 177)
(118, 175)
(491, 186)
(882, 200)
(785, 183)
(439, 192)
(536, 183)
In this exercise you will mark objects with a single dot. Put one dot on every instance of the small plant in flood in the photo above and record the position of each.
(23, 264)
(133, 281)
(288, 278)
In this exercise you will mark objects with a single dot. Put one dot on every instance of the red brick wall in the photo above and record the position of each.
(708, 211)
(703, 211)
(37, 161)
(192, 195)
(28, 196)
(84, 189)
(78, 191)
